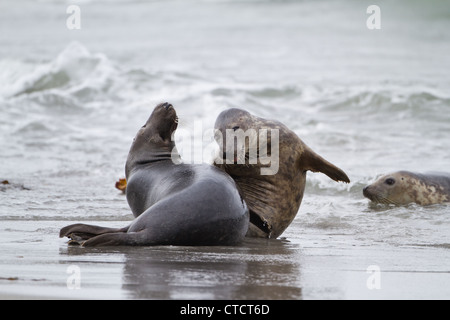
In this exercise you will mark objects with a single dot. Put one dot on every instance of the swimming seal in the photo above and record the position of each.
(173, 204)
(274, 183)
(404, 187)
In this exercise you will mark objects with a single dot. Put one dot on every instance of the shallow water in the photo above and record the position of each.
(370, 101)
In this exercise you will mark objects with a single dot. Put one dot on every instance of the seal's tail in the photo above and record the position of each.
(315, 163)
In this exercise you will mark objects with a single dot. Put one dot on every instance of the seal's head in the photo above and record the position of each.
(160, 126)
(153, 142)
(248, 144)
(233, 118)
(390, 189)
(404, 187)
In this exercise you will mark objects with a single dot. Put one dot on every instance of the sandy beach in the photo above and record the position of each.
(36, 265)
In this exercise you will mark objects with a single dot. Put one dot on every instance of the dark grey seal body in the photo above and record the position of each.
(274, 195)
(174, 204)
(404, 187)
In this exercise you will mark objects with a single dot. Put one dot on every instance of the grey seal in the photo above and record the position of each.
(272, 189)
(173, 204)
(404, 187)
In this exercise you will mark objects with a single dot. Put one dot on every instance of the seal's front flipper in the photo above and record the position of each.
(315, 163)
(80, 232)
(75, 239)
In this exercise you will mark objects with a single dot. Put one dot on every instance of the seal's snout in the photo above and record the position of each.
(367, 193)
(167, 105)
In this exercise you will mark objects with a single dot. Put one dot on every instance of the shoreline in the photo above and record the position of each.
(301, 265)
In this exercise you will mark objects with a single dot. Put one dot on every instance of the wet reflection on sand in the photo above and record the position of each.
(257, 269)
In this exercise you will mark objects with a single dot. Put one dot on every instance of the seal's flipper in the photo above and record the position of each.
(117, 239)
(311, 161)
(80, 231)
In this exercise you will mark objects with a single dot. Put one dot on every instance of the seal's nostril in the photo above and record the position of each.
(167, 105)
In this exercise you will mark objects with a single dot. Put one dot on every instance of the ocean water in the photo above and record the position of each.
(369, 101)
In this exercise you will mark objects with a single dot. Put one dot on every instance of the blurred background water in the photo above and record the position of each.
(370, 101)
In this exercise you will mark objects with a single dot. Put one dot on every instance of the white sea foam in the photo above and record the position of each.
(74, 71)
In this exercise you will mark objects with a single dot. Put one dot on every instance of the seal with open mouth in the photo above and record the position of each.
(173, 204)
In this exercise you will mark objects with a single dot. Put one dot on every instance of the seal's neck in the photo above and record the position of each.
(144, 155)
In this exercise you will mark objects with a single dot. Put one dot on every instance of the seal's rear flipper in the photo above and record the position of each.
(79, 232)
(315, 163)
(117, 239)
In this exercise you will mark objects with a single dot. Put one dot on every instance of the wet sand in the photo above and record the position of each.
(36, 264)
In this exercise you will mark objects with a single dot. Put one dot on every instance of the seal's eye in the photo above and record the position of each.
(390, 181)
(235, 128)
